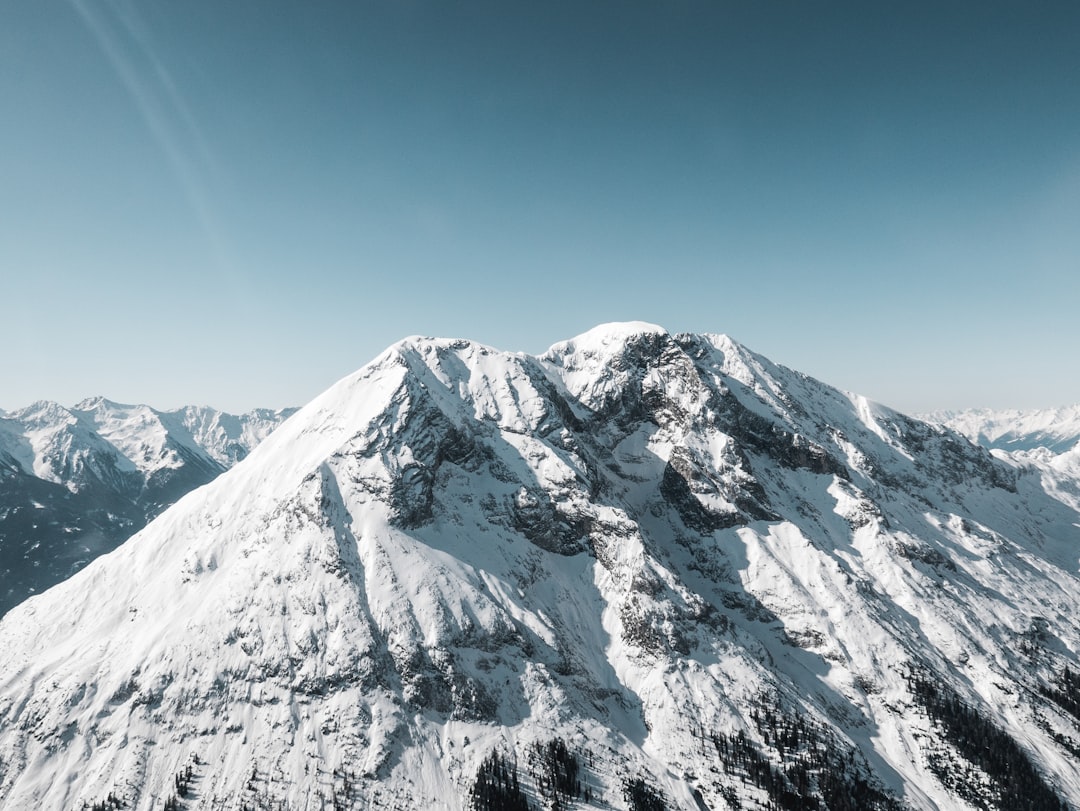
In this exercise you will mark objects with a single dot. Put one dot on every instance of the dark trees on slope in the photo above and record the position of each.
(642, 797)
(497, 787)
(1018, 786)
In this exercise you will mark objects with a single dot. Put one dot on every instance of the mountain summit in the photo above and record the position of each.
(640, 571)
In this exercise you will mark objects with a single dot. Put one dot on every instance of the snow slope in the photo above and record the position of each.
(715, 579)
(76, 482)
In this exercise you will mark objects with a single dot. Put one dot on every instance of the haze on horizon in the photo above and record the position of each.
(238, 204)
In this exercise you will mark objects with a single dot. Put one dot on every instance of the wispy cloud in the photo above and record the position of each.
(128, 44)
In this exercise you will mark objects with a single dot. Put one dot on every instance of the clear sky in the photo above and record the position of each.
(237, 203)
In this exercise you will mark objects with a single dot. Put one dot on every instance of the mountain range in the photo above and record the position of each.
(640, 571)
(1054, 429)
(76, 482)
(1045, 440)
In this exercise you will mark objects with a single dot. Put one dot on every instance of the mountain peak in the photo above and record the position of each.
(98, 403)
(605, 337)
(43, 412)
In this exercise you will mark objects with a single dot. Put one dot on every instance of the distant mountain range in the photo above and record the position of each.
(641, 571)
(1055, 429)
(76, 482)
(1046, 440)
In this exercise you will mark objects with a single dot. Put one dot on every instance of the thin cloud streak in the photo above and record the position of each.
(126, 43)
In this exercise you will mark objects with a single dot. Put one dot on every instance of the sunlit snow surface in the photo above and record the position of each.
(624, 543)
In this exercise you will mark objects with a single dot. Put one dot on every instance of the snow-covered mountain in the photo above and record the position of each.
(1055, 429)
(640, 571)
(75, 482)
(1046, 440)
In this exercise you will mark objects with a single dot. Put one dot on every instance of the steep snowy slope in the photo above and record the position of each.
(76, 482)
(640, 571)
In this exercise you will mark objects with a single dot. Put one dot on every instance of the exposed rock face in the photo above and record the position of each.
(660, 563)
(75, 483)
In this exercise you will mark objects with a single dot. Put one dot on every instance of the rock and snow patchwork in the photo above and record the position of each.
(640, 571)
(75, 482)
(1046, 441)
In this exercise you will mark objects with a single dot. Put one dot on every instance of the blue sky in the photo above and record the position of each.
(238, 203)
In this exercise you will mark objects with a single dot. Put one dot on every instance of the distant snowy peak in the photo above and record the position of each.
(59, 445)
(1055, 429)
(1045, 439)
(228, 438)
(75, 482)
(60, 440)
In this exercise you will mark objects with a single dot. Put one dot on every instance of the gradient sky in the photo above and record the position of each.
(236, 203)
